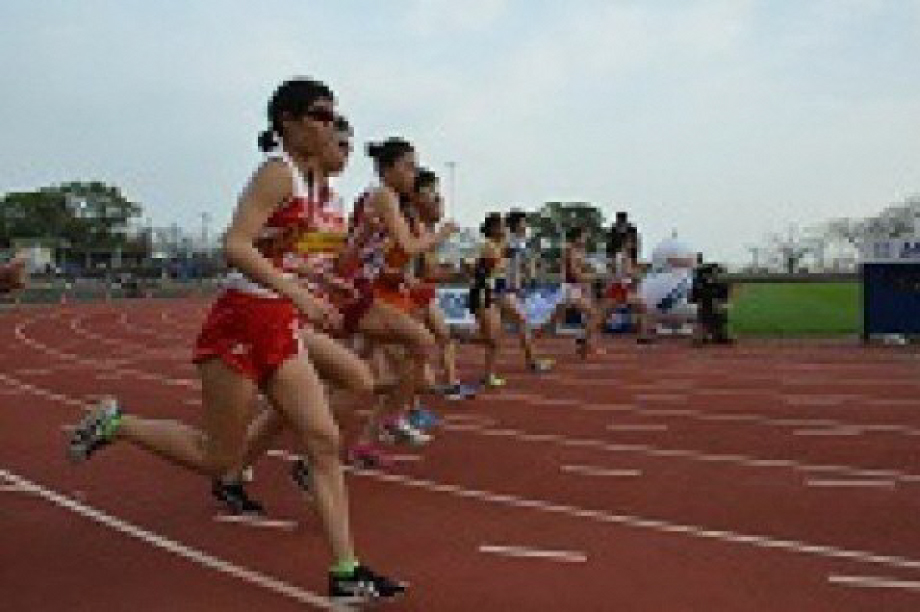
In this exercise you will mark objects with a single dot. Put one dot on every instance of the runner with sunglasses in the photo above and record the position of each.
(251, 340)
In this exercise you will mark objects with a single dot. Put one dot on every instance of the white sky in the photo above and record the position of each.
(724, 119)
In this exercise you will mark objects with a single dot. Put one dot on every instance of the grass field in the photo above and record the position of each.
(797, 309)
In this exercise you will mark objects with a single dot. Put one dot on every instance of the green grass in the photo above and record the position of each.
(797, 309)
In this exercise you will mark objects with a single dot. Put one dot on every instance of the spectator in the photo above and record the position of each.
(12, 275)
(616, 239)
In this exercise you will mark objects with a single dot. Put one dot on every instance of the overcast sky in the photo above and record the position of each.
(724, 119)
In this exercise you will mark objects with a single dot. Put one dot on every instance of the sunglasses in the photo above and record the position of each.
(322, 115)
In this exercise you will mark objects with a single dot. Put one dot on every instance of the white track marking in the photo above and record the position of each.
(690, 454)
(172, 546)
(14, 488)
(77, 328)
(671, 412)
(826, 432)
(403, 458)
(587, 470)
(523, 552)
(636, 427)
(105, 364)
(698, 415)
(874, 582)
(661, 397)
(887, 484)
(819, 550)
(256, 521)
(283, 454)
(529, 437)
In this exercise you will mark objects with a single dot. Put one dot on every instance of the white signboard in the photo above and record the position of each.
(454, 303)
(892, 250)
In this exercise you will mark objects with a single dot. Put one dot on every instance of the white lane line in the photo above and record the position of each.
(661, 397)
(14, 488)
(729, 418)
(698, 415)
(670, 412)
(106, 364)
(636, 427)
(256, 521)
(587, 470)
(609, 408)
(523, 552)
(403, 458)
(874, 582)
(282, 454)
(887, 484)
(172, 546)
(826, 432)
(819, 550)
(692, 455)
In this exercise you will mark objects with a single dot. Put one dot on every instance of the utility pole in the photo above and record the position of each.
(452, 186)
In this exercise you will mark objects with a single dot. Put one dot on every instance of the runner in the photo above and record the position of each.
(510, 303)
(488, 285)
(251, 339)
(429, 209)
(380, 247)
(577, 289)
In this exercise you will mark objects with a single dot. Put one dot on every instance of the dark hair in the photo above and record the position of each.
(387, 152)
(621, 216)
(492, 222)
(424, 178)
(574, 233)
(514, 219)
(292, 99)
(341, 125)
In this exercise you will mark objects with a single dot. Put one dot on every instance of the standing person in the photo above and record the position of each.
(621, 231)
(250, 341)
(510, 303)
(577, 289)
(488, 285)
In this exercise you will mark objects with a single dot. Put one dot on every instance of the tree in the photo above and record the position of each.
(79, 215)
(549, 226)
(793, 247)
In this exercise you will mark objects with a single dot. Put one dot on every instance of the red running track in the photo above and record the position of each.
(770, 476)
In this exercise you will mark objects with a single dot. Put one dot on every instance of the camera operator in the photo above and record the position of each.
(711, 295)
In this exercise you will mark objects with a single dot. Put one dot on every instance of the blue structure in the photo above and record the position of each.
(891, 287)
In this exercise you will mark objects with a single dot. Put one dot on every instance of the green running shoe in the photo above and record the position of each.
(96, 430)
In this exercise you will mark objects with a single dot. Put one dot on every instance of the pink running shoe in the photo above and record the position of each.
(367, 455)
